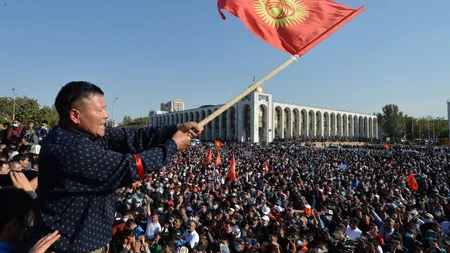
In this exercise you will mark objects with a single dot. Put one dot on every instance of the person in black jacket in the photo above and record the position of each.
(82, 162)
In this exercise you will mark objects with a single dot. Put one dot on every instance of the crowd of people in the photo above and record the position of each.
(287, 197)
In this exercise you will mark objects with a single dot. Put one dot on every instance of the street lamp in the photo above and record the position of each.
(14, 103)
(112, 111)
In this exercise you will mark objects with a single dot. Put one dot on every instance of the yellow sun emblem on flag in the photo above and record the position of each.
(281, 13)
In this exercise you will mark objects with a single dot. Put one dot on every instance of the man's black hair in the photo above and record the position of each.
(73, 93)
(19, 157)
(18, 204)
(130, 222)
(3, 163)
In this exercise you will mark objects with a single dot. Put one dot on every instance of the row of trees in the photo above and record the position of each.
(397, 125)
(128, 121)
(26, 109)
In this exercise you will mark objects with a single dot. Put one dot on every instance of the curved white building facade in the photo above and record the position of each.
(257, 118)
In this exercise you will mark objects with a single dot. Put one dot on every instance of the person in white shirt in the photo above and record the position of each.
(352, 231)
(153, 227)
(190, 236)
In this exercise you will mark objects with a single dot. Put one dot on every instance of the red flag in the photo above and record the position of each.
(308, 211)
(390, 163)
(386, 146)
(218, 144)
(412, 182)
(294, 26)
(208, 157)
(218, 160)
(232, 170)
(266, 167)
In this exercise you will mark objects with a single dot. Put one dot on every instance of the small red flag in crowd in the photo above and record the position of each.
(266, 167)
(218, 144)
(232, 170)
(218, 160)
(386, 146)
(411, 180)
(208, 157)
(308, 211)
(294, 26)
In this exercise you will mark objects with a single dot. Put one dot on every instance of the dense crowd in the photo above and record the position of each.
(287, 198)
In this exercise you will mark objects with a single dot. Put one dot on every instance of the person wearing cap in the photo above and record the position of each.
(429, 223)
(327, 219)
(83, 162)
(409, 239)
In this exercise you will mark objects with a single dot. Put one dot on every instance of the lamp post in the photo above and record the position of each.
(14, 103)
(112, 111)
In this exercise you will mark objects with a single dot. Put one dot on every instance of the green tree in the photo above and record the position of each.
(128, 121)
(411, 127)
(50, 114)
(141, 121)
(25, 109)
(6, 109)
(392, 121)
(422, 124)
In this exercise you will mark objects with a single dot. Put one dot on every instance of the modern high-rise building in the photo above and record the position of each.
(172, 106)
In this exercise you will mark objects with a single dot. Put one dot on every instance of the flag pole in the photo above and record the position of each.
(294, 58)
(247, 91)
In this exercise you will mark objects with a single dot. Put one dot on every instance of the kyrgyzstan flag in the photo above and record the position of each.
(412, 182)
(218, 144)
(294, 26)
(208, 157)
(232, 170)
(386, 146)
(218, 160)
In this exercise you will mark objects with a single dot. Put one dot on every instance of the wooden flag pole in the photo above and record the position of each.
(247, 91)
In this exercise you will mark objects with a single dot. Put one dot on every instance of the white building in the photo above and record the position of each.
(172, 106)
(258, 118)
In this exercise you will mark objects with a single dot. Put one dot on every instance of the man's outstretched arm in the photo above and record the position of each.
(135, 140)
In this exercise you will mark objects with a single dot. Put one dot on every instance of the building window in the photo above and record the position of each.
(263, 98)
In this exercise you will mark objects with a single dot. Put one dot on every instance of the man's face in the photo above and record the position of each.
(16, 124)
(15, 167)
(4, 169)
(24, 163)
(91, 115)
(191, 227)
